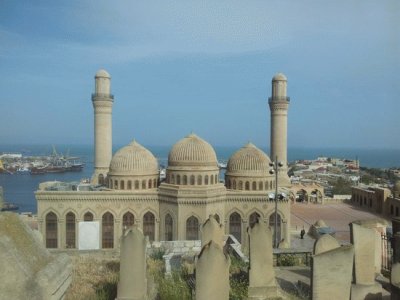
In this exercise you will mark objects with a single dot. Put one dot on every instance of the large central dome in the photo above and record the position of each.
(192, 151)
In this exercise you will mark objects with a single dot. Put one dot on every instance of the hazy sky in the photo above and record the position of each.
(201, 66)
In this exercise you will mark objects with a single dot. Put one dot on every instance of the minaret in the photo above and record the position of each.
(279, 104)
(102, 103)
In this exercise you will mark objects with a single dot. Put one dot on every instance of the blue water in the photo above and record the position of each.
(19, 189)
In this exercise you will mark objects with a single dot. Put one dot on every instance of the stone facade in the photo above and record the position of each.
(129, 192)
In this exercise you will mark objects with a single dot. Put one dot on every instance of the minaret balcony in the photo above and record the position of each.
(278, 99)
(100, 95)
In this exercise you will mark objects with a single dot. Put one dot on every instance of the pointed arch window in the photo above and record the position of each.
(88, 217)
(149, 225)
(51, 230)
(253, 219)
(107, 226)
(235, 226)
(168, 227)
(192, 228)
(70, 230)
(128, 220)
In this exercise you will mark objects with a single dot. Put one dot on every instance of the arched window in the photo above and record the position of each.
(129, 184)
(271, 185)
(101, 179)
(136, 184)
(184, 180)
(247, 186)
(88, 217)
(253, 219)
(260, 186)
(143, 184)
(150, 183)
(192, 180)
(216, 179)
(168, 227)
(51, 230)
(116, 184)
(128, 220)
(266, 185)
(149, 225)
(212, 179)
(234, 184)
(154, 183)
(278, 228)
(235, 226)
(199, 180)
(122, 185)
(192, 228)
(240, 185)
(172, 179)
(254, 186)
(110, 183)
(178, 179)
(70, 230)
(107, 226)
(206, 180)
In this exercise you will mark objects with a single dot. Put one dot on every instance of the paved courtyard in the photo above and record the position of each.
(337, 216)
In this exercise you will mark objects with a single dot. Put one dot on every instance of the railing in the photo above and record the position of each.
(100, 95)
(278, 99)
(387, 253)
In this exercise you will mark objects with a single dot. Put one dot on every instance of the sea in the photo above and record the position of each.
(19, 188)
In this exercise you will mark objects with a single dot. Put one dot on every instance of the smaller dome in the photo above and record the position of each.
(279, 77)
(192, 151)
(249, 159)
(133, 159)
(102, 73)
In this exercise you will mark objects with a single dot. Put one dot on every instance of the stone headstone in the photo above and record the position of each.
(262, 282)
(212, 273)
(212, 230)
(364, 242)
(331, 272)
(325, 243)
(132, 283)
(28, 270)
(395, 281)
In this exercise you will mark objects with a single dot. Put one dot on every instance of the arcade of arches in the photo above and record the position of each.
(237, 225)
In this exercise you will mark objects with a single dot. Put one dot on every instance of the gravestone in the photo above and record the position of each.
(28, 270)
(331, 270)
(325, 243)
(132, 283)
(212, 273)
(212, 230)
(395, 281)
(262, 282)
(364, 241)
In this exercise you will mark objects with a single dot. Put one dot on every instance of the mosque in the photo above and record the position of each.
(126, 188)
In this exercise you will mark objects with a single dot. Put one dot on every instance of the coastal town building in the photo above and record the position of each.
(378, 199)
(126, 188)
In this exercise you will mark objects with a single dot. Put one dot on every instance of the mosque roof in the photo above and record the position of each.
(192, 151)
(133, 159)
(248, 160)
